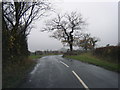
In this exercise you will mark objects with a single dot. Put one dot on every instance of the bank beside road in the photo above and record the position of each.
(15, 73)
(90, 58)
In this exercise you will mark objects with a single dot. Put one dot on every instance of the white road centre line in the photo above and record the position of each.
(81, 81)
(64, 64)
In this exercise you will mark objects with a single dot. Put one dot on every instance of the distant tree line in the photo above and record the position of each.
(16, 25)
(38, 52)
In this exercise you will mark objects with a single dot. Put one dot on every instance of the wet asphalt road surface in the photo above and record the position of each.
(57, 72)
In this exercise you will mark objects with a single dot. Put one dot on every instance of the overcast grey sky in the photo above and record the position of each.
(102, 18)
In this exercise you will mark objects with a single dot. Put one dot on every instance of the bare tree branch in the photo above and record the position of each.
(23, 13)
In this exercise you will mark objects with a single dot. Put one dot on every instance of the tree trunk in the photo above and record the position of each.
(71, 47)
(71, 41)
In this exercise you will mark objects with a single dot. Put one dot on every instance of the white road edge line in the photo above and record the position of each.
(81, 81)
(64, 64)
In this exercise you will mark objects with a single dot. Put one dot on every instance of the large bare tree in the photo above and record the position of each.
(17, 17)
(66, 27)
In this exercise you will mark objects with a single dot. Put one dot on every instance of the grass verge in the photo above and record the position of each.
(89, 58)
(14, 73)
(35, 56)
(39, 56)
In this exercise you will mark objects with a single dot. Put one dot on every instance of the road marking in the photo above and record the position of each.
(35, 68)
(81, 81)
(64, 64)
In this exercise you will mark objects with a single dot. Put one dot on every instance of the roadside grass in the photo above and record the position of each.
(39, 56)
(35, 56)
(14, 73)
(89, 58)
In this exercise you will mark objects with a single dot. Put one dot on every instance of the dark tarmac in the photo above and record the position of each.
(57, 72)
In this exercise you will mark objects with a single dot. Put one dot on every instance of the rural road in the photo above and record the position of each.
(57, 72)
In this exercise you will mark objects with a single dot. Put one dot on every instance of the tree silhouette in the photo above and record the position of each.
(17, 18)
(66, 27)
(87, 42)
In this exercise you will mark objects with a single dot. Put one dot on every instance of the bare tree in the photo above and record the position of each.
(17, 18)
(19, 15)
(94, 40)
(87, 42)
(66, 27)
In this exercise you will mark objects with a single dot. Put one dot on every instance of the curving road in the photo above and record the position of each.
(57, 72)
